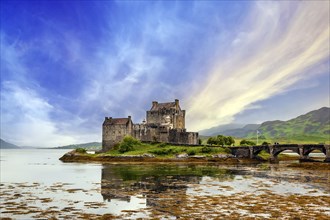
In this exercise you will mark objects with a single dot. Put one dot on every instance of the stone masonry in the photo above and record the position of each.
(165, 123)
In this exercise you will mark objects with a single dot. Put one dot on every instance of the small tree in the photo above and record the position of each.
(229, 140)
(206, 150)
(221, 140)
(211, 141)
(128, 143)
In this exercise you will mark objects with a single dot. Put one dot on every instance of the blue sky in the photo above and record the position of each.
(65, 65)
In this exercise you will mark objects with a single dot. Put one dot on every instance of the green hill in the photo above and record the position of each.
(313, 126)
(6, 145)
(219, 129)
(239, 132)
(88, 146)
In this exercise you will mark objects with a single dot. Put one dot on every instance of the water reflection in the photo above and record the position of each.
(30, 189)
(123, 181)
(159, 189)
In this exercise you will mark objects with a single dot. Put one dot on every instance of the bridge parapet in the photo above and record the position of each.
(275, 150)
(240, 151)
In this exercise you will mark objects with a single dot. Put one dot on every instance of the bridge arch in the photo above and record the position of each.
(308, 150)
(257, 149)
(278, 151)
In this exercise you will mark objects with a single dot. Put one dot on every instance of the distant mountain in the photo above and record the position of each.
(240, 132)
(313, 125)
(6, 145)
(219, 129)
(89, 146)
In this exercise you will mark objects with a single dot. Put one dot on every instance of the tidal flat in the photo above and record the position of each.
(40, 186)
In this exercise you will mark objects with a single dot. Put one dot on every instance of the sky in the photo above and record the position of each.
(65, 65)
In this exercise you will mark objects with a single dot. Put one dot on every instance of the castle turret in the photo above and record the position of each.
(176, 103)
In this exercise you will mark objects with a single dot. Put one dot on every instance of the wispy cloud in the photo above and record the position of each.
(25, 118)
(269, 58)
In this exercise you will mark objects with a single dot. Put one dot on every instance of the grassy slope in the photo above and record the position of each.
(162, 150)
(313, 127)
(88, 146)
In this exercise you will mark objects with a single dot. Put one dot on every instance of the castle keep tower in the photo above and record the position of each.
(167, 114)
(165, 123)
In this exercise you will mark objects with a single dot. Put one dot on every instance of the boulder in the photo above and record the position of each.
(223, 156)
(184, 155)
(148, 155)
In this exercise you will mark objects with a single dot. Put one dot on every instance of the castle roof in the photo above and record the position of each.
(117, 121)
(166, 105)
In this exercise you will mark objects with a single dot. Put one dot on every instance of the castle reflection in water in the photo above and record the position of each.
(120, 182)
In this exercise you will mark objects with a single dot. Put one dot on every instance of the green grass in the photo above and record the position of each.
(264, 155)
(81, 150)
(167, 150)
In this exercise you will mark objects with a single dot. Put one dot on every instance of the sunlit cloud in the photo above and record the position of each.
(276, 56)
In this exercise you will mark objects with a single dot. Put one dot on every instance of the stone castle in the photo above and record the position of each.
(165, 123)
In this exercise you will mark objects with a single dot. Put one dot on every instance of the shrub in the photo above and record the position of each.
(116, 146)
(227, 150)
(158, 152)
(206, 150)
(164, 151)
(161, 145)
(212, 140)
(246, 142)
(265, 143)
(127, 144)
(221, 140)
(81, 150)
(191, 152)
(125, 148)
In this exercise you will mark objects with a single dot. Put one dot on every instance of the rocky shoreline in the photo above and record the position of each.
(74, 156)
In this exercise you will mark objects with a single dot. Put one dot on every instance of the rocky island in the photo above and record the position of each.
(162, 137)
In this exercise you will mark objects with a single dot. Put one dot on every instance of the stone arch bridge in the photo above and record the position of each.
(274, 150)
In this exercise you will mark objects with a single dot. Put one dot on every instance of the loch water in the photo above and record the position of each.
(36, 184)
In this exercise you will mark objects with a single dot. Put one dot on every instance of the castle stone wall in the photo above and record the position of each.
(165, 123)
(114, 133)
(179, 119)
(177, 136)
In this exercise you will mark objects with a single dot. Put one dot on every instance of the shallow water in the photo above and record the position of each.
(35, 184)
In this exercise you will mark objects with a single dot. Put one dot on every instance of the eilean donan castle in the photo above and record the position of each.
(165, 122)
